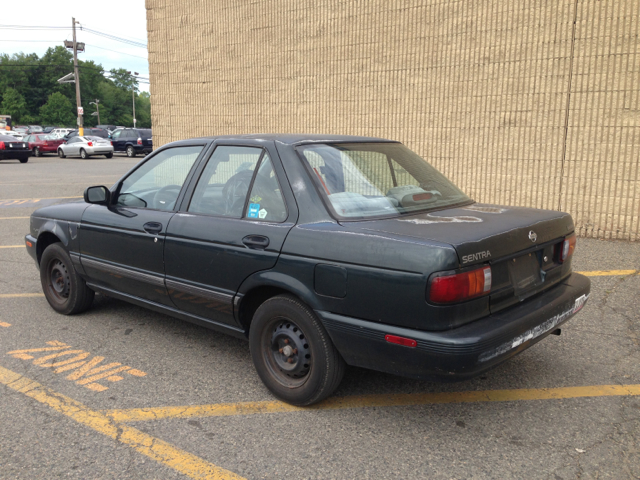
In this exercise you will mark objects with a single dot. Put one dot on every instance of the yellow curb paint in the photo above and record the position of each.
(607, 273)
(368, 401)
(20, 295)
(12, 246)
(154, 448)
(34, 199)
(11, 218)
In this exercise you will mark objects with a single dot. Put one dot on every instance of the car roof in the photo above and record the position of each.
(293, 138)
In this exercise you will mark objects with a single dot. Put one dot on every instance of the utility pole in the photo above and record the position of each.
(77, 77)
(97, 112)
(133, 96)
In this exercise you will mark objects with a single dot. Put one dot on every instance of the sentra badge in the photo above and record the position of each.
(476, 256)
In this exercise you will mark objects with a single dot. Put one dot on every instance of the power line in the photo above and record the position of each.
(113, 37)
(87, 44)
(85, 29)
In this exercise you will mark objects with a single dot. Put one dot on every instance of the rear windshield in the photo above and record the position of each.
(144, 133)
(361, 180)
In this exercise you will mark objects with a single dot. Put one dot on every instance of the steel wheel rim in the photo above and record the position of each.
(58, 281)
(286, 352)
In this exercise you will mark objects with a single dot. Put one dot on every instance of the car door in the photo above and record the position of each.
(116, 139)
(232, 223)
(73, 146)
(121, 245)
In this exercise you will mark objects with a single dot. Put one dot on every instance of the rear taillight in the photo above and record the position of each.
(111, 143)
(568, 247)
(139, 141)
(2, 147)
(90, 144)
(458, 287)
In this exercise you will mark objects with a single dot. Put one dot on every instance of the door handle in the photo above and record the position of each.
(152, 227)
(256, 242)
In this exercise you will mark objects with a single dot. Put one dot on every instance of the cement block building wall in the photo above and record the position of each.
(528, 103)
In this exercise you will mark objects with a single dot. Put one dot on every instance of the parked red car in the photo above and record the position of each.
(42, 143)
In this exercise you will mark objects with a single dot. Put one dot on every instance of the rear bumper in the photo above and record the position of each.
(461, 352)
(14, 154)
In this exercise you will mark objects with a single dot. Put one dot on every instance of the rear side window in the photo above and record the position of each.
(224, 184)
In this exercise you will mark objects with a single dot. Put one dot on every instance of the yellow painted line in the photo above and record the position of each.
(5, 324)
(33, 199)
(607, 273)
(368, 401)
(154, 448)
(11, 218)
(21, 295)
(12, 246)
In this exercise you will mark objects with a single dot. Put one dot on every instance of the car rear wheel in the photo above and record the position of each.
(109, 155)
(24, 160)
(83, 154)
(64, 289)
(36, 152)
(61, 153)
(130, 151)
(293, 353)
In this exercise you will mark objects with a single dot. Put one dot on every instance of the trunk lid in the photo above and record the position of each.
(520, 244)
(480, 232)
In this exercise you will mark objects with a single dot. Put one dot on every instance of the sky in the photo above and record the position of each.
(124, 19)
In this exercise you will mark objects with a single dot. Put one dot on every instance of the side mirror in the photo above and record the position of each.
(97, 195)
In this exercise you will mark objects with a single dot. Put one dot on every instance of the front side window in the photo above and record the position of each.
(362, 180)
(157, 183)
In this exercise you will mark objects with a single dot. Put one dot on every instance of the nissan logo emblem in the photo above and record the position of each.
(532, 236)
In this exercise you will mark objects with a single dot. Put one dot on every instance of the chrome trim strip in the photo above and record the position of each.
(200, 292)
(124, 272)
(237, 299)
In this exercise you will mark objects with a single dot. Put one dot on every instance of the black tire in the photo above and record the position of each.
(83, 154)
(130, 151)
(36, 152)
(24, 160)
(316, 367)
(63, 288)
(61, 153)
(109, 155)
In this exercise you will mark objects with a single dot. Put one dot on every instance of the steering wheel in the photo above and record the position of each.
(235, 192)
(165, 198)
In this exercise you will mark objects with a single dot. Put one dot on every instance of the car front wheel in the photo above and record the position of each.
(293, 353)
(61, 153)
(83, 154)
(64, 289)
(130, 151)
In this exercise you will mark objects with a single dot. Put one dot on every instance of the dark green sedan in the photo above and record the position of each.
(323, 251)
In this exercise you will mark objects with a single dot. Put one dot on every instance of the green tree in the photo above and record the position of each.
(57, 111)
(13, 104)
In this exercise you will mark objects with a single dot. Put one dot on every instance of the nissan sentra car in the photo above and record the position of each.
(322, 251)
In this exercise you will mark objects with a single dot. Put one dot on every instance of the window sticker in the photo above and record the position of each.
(254, 209)
(262, 213)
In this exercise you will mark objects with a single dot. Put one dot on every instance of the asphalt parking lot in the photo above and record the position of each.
(122, 392)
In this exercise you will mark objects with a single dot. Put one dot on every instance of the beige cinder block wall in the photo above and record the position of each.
(522, 102)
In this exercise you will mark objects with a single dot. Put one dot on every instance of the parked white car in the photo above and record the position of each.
(84, 147)
(60, 132)
(12, 133)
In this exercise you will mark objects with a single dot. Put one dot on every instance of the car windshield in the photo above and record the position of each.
(362, 180)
